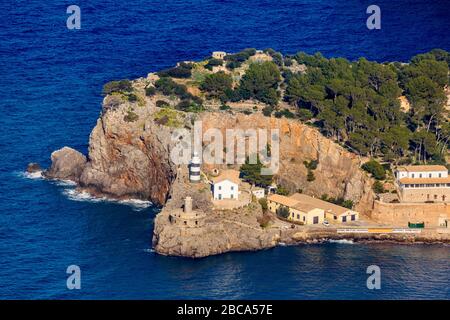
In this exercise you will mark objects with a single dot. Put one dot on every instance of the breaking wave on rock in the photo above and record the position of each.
(342, 241)
(31, 175)
(77, 195)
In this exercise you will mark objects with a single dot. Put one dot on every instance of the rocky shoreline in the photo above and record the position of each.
(222, 234)
(228, 230)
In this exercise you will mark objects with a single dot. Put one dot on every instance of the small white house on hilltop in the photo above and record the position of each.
(258, 193)
(219, 54)
(226, 185)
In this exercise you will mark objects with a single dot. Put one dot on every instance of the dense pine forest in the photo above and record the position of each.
(357, 103)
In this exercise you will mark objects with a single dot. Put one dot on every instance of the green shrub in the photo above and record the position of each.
(339, 201)
(231, 95)
(213, 63)
(305, 114)
(217, 84)
(150, 91)
(311, 165)
(130, 116)
(169, 87)
(240, 56)
(263, 203)
(189, 105)
(132, 97)
(284, 113)
(162, 104)
(251, 172)
(347, 204)
(310, 176)
(121, 86)
(224, 107)
(183, 71)
(233, 65)
(168, 117)
(261, 83)
(283, 212)
(378, 187)
(375, 169)
(276, 56)
(288, 62)
(282, 191)
(267, 111)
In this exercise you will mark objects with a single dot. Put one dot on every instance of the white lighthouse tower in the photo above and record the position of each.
(194, 168)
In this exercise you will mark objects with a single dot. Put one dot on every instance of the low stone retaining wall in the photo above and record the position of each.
(399, 214)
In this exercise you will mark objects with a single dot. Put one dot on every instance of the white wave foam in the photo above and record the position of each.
(342, 241)
(149, 250)
(77, 195)
(32, 175)
(65, 183)
(136, 203)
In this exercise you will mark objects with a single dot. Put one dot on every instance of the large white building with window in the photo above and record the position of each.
(423, 183)
(226, 185)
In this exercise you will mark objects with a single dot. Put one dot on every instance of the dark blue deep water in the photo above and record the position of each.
(50, 85)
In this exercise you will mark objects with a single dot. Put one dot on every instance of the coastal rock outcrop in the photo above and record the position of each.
(67, 164)
(33, 167)
(129, 159)
(219, 236)
(222, 231)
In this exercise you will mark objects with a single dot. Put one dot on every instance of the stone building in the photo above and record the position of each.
(309, 210)
(219, 54)
(420, 184)
(187, 217)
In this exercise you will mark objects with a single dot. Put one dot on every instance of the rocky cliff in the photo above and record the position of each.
(338, 172)
(131, 159)
(127, 159)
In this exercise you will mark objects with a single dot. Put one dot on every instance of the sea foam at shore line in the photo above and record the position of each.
(80, 195)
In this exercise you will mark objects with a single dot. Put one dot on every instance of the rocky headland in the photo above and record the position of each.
(129, 157)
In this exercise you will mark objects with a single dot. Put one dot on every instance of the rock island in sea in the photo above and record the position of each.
(362, 151)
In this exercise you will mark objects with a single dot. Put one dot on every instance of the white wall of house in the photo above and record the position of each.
(225, 189)
(259, 193)
(400, 174)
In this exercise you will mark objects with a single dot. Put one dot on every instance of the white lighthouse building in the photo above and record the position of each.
(194, 168)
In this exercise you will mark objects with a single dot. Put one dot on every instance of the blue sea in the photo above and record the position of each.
(50, 96)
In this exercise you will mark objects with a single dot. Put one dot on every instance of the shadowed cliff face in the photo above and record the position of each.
(132, 159)
(129, 159)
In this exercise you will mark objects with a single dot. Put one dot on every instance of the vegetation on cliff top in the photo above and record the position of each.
(356, 103)
(252, 173)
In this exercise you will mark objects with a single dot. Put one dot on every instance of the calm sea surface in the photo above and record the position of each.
(50, 85)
